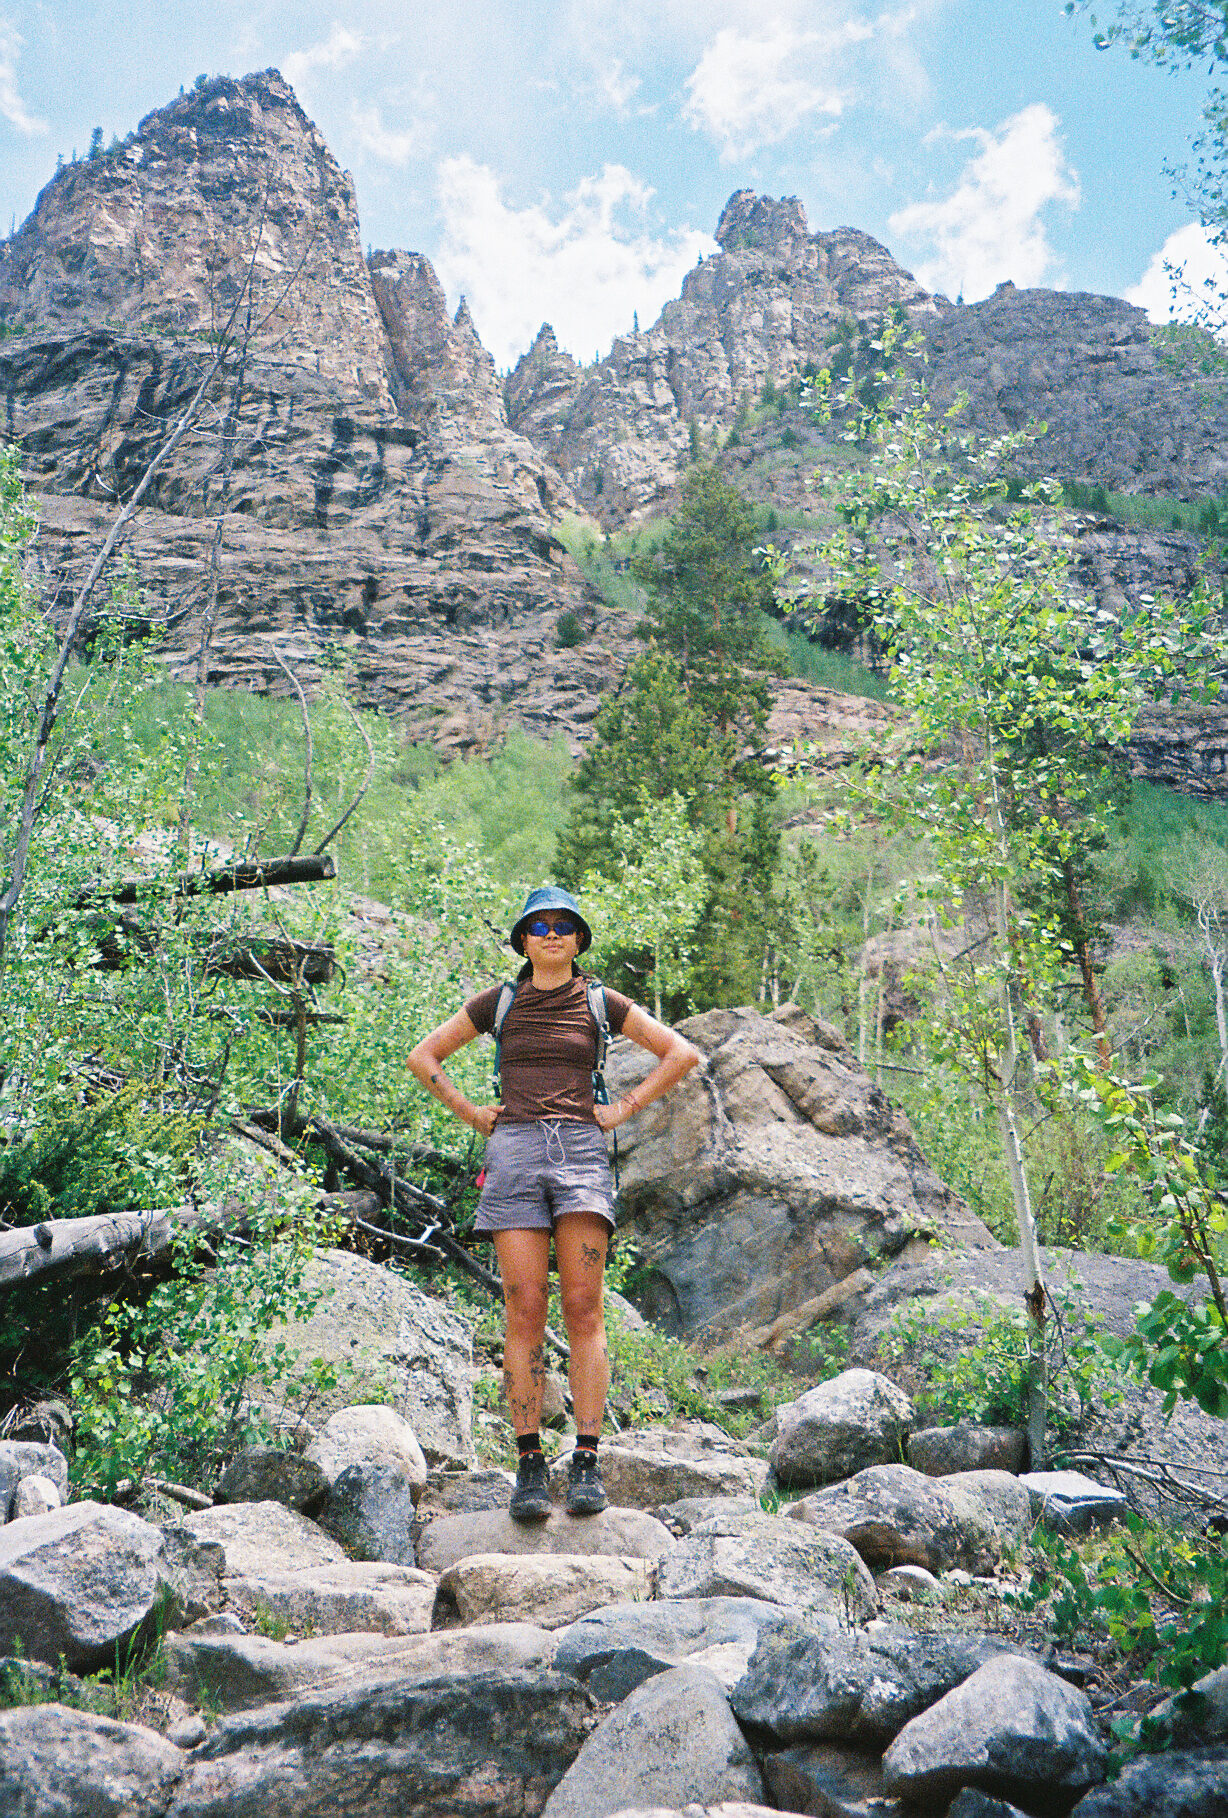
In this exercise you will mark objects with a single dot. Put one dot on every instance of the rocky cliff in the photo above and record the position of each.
(759, 311)
(379, 502)
(392, 499)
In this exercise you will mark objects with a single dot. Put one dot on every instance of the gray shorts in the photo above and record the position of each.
(537, 1173)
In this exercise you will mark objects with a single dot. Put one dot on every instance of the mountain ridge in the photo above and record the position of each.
(393, 499)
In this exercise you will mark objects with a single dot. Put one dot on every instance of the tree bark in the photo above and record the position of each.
(313, 868)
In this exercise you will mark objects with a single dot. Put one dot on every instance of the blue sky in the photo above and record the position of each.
(567, 160)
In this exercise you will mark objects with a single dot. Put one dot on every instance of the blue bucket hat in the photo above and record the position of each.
(549, 896)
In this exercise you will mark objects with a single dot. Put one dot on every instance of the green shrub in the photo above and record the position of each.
(110, 1154)
(568, 631)
(161, 1387)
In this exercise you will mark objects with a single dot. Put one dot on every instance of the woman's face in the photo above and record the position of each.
(552, 948)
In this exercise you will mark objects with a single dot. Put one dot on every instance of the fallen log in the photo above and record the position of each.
(264, 959)
(81, 1246)
(315, 868)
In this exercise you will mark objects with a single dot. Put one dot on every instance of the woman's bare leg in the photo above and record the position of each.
(580, 1242)
(524, 1262)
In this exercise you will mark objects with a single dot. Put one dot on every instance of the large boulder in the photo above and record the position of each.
(1188, 1783)
(264, 1557)
(774, 1171)
(942, 1451)
(674, 1740)
(391, 1343)
(58, 1763)
(803, 1685)
(616, 1649)
(215, 1664)
(627, 1532)
(551, 1589)
(460, 1744)
(1012, 1729)
(767, 1557)
(80, 1583)
(859, 1418)
(368, 1433)
(894, 1515)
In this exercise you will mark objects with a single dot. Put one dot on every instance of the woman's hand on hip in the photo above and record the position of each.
(485, 1117)
(610, 1117)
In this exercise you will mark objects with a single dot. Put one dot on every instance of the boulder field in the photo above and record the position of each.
(411, 1650)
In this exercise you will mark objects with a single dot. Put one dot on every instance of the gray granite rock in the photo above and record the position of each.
(370, 1509)
(640, 1475)
(765, 1556)
(35, 1496)
(79, 1583)
(1071, 1503)
(894, 1515)
(688, 1512)
(614, 1650)
(21, 1458)
(673, 1740)
(229, 1671)
(1011, 1729)
(392, 1344)
(859, 1418)
(58, 1763)
(770, 1174)
(624, 1531)
(471, 1745)
(941, 1451)
(819, 1777)
(271, 1474)
(1182, 1784)
(859, 1687)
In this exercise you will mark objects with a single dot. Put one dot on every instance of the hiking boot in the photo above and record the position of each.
(585, 1490)
(531, 1498)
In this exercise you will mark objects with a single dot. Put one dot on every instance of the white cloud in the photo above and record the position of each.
(747, 90)
(1186, 280)
(618, 86)
(385, 143)
(991, 227)
(339, 48)
(584, 264)
(12, 107)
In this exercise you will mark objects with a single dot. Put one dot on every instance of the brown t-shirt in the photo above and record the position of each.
(549, 1047)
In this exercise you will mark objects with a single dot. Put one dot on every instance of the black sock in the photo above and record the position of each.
(527, 1443)
(586, 1442)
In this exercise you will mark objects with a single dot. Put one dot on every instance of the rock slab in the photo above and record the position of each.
(614, 1650)
(894, 1515)
(765, 1556)
(550, 1589)
(626, 1532)
(59, 1763)
(457, 1744)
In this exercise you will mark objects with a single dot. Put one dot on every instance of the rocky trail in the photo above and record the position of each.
(404, 1647)
(815, 1619)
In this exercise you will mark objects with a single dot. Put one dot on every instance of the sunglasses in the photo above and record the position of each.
(539, 927)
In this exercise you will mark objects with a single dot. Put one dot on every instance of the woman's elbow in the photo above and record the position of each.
(688, 1054)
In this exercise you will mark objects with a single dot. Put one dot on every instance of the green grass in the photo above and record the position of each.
(1136, 870)
(826, 668)
(250, 787)
(1207, 516)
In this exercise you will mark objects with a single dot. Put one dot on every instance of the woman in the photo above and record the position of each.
(547, 1173)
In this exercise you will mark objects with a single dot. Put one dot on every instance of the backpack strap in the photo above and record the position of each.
(507, 997)
(597, 1010)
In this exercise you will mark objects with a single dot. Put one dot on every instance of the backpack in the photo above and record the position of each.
(595, 993)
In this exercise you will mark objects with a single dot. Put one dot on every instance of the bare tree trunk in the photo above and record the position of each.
(1091, 987)
(863, 982)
